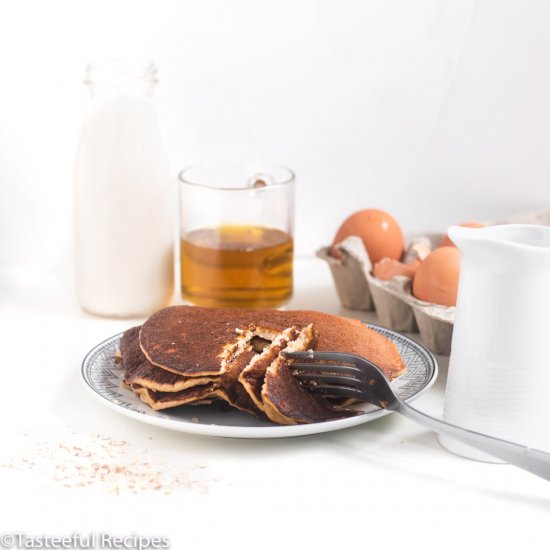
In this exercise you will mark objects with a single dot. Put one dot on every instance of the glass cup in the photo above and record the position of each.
(236, 235)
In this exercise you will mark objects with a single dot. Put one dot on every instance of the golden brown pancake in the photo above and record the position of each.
(235, 393)
(190, 341)
(286, 402)
(164, 400)
(253, 376)
(138, 370)
(275, 389)
(185, 355)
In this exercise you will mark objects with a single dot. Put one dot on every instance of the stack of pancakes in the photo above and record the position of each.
(192, 355)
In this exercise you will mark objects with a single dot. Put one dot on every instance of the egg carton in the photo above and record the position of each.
(392, 300)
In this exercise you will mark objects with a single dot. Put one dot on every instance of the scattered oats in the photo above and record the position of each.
(105, 464)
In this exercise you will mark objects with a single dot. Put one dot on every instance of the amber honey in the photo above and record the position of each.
(236, 266)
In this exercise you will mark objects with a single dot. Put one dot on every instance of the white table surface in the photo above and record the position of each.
(385, 484)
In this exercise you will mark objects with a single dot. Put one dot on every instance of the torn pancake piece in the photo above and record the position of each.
(253, 376)
(235, 394)
(139, 370)
(286, 402)
(235, 357)
(164, 400)
(284, 399)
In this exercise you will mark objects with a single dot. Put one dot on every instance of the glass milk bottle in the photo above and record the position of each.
(123, 204)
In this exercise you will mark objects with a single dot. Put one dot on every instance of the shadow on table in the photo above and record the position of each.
(414, 466)
(377, 445)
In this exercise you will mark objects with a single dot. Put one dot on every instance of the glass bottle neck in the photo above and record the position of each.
(118, 77)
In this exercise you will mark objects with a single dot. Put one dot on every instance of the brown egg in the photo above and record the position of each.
(387, 269)
(436, 279)
(446, 241)
(379, 231)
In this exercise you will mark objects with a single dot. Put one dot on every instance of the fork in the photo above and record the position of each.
(354, 376)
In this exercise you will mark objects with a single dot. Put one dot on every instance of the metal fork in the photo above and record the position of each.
(354, 376)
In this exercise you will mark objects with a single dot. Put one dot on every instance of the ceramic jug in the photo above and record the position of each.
(499, 369)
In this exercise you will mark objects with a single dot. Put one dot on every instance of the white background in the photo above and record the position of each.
(438, 111)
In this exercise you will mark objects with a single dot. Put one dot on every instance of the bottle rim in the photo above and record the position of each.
(118, 70)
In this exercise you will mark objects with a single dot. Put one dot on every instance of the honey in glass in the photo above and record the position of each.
(236, 266)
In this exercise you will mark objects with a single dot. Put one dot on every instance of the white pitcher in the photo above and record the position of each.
(499, 370)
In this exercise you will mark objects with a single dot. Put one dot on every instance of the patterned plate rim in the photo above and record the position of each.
(260, 432)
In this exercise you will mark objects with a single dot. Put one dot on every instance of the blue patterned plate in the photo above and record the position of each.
(104, 378)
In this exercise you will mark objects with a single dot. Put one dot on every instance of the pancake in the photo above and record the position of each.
(286, 402)
(235, 394)
(185, 355)
(164, 400)
(193, 341)
(253, 376)
(284, 399)
(138, 370)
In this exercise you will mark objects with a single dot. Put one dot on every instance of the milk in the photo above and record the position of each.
(123, 202)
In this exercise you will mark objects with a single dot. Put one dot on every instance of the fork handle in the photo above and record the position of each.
(534, 461)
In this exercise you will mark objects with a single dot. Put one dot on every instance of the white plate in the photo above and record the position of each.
(104, 378)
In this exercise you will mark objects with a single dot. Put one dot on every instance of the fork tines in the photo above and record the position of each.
(326, 377)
